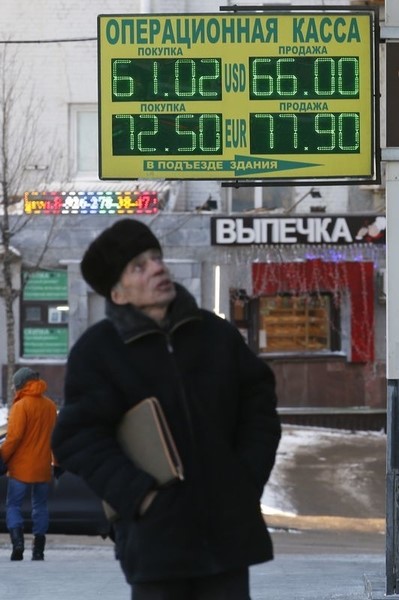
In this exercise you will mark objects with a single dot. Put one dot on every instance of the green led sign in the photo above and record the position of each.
(310, 78)
(167, 134)
(318, 133)
(166, 79)
(280, 95)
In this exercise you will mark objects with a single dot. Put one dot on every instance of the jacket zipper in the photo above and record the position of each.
(170, 349)
(183, 396)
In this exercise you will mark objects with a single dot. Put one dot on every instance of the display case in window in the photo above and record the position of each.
(289, 323)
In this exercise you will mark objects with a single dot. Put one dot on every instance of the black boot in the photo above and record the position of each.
(39, 542)
(18, 546)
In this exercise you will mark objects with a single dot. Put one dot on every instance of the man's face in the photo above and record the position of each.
(145, 282)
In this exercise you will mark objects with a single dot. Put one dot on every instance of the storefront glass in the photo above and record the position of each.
(290, 323)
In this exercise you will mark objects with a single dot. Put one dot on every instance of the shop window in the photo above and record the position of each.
(58, 314)
(33, 314)
(289, 323)
(44, 314)
(243, 199)
(350, 285)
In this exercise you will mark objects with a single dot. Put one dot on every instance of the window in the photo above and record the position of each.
(246, 198)
(32, 314)
(58, 314)
(84, 141)
(294, 323)
(288, 322)
(348, 284)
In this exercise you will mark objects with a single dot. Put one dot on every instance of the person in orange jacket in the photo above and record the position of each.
(27, 454)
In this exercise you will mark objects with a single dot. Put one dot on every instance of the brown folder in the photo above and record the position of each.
(146, 439)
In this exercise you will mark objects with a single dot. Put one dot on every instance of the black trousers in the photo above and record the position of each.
(233, 585)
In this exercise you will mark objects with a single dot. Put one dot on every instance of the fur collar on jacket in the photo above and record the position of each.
(129, 321)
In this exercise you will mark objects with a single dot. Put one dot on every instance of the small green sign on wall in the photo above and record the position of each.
(46, 285)
(45, 342)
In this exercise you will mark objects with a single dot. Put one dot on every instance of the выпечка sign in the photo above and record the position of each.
(274, 230)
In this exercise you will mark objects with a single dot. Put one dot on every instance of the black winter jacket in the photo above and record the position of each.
(219, 399)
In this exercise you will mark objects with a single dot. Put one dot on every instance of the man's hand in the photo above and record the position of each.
(146, 503)
(57, 472)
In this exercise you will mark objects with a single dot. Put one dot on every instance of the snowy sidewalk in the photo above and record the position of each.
(327, 479)
(325, 505)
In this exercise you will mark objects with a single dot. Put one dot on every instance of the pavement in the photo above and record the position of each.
(308, 565)
(324, 506)
(328, 479)
(332, 483)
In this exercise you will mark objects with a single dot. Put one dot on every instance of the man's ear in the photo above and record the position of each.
(118, 295)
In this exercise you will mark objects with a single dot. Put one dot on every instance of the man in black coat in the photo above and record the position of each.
(195, 539)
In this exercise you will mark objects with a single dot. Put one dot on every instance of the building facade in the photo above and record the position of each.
(299, 270)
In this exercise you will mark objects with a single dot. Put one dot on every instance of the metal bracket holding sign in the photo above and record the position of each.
(392, 94)
(280, 95)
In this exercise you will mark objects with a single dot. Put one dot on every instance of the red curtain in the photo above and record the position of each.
(356, 278)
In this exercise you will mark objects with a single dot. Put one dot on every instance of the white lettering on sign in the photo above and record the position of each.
(290, 230)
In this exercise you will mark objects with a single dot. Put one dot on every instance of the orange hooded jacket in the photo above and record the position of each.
(27, 447)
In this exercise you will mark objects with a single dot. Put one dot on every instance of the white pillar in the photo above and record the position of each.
(392, 253)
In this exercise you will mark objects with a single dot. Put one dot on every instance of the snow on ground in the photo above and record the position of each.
(3, 415)
(297, 441)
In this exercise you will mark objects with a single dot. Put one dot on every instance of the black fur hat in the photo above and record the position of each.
(108, 255)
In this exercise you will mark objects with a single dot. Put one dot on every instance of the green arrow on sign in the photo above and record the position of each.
(252, 165)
